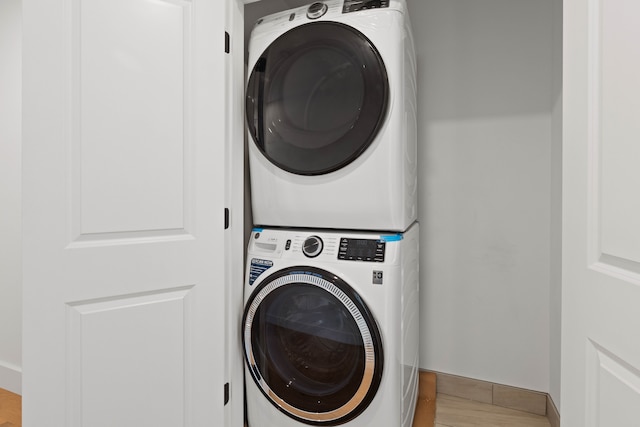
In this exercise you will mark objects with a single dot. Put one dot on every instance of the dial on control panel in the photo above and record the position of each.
(316, 10)
(312, 246)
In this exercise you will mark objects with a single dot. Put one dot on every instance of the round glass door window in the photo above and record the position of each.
(316, 98)
(312, 346)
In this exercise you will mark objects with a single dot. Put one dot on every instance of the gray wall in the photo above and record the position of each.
(485, 100)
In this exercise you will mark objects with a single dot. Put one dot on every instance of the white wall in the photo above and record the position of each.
(10, 235)
(485, 101)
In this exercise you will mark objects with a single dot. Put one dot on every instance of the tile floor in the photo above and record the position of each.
(456, 412)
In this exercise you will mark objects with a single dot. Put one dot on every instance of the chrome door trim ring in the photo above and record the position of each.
(365, 332)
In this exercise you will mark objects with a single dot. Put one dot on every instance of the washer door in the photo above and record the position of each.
(312, 346)
(316, 98)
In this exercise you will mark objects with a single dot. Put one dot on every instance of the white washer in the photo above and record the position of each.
(330, 328)
(331, 117)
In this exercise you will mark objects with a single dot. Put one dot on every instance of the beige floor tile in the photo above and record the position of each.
(456, 412)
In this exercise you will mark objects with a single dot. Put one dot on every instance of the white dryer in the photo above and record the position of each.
(330, 328)
(331, 117)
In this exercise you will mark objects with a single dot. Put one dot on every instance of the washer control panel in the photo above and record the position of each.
(361, 250)
(357, 5)
(324, 246)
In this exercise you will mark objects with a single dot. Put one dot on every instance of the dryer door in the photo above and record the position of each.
(316, 98)
(312, 346)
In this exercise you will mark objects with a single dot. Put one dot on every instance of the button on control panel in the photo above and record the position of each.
(361, 250)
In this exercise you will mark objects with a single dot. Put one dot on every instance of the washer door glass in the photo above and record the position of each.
(312, 346)
(316, 98)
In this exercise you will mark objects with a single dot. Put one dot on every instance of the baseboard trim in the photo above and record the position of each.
(10, 378)
(552, 412)
(534, 402)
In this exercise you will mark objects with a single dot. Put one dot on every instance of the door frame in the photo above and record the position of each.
(239, 213)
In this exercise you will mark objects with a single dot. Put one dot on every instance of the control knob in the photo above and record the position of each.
(316, 10)
(312, 246)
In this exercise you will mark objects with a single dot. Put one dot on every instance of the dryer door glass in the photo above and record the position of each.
(312, 346)
(316, 98)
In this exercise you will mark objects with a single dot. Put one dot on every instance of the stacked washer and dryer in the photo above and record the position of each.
(330, 326)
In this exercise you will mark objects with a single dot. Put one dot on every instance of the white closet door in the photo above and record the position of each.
(124, 180)
(601, 238)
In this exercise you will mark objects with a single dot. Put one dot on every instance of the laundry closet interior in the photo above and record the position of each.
(489, 160)
(489, 186)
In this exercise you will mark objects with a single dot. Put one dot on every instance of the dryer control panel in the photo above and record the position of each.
(357, 5)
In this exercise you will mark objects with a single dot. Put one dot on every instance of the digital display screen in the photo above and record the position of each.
(357, 5)
(361, 250)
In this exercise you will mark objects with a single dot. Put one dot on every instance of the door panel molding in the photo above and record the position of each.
(120, 349)
(613, 388)
(131, 150)
(611, 212)
(129, 238)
